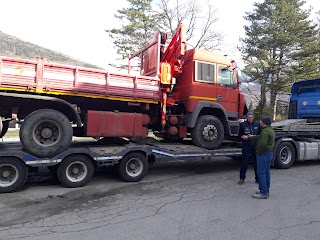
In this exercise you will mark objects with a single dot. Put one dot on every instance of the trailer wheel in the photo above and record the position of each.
(4, 128)
(133, 167)
(13, 174)
(75, 171)
(46, 133)
(285, 155)
(208, 132)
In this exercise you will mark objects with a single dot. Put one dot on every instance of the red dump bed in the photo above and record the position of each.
(42, 77)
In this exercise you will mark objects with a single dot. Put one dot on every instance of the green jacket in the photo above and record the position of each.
(266, 140)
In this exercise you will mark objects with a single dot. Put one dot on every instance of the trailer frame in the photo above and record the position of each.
(75, 166)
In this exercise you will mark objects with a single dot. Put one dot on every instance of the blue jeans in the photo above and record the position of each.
(248, 151)
(263, 169)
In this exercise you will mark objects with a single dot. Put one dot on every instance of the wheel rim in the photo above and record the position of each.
(9, 174)
(210, 132)
(285, 155)
(76, 172)
(134, 167)
(46, 133)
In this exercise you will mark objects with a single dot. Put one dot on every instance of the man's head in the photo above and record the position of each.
(250, 117)
(265, 121)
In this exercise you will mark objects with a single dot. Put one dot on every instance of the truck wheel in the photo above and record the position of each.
(46, 133)
(75, 171)
(208, 132)
(133, 167)
(5, 126)
(13, 174)
(285, 155)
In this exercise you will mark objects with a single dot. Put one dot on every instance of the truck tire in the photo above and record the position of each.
(285, 155)
(5, 126)
(46, 133)
(13, 174)
(75, 171)
(208, 132)
(133, 167)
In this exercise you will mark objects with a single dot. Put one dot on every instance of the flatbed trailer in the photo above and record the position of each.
(296, 140)
(75, 166)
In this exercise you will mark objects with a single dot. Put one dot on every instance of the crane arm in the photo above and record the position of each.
(175, 51)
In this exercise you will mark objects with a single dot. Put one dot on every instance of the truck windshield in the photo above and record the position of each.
(313, 88)
(306, 86)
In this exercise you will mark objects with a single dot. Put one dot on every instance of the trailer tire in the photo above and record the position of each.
(75, 171)
(46, 133)
(4, 129)
(13, 174)
(208, 132)
(133, 167)
(285, 155)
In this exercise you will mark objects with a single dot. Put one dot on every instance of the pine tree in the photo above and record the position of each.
(279, 41)
(309, 67)
(139, 23)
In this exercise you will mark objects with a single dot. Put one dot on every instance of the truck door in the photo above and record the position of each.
(227, 90)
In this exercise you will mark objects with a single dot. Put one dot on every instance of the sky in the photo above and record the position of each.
(77, 28)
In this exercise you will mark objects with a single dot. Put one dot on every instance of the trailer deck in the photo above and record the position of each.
(75, 166)
(296, 127)
(116, 149)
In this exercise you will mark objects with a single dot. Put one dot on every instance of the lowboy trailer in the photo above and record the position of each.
(296, 140)
(75, 166)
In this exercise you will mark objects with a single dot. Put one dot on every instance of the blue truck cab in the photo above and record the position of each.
(305, 100)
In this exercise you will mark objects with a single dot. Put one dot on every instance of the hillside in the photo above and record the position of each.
(11, 46)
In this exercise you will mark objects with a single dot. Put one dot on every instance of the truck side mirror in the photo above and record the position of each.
(241, 77)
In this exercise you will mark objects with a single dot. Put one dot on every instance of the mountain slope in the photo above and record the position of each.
(11, 46)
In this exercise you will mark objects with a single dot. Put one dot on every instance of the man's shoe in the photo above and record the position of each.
(258, 192)
(241, 181)
(259, 196)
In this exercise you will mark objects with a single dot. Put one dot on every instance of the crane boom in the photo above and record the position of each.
(175, 51)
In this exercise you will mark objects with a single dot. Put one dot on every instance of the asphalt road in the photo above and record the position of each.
(193, 200)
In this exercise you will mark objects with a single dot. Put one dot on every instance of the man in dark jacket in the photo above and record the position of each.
(249, 127)
(265, 147)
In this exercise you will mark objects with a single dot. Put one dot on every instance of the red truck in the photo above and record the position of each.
(178, 92)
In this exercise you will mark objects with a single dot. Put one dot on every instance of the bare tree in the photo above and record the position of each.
(199, 23)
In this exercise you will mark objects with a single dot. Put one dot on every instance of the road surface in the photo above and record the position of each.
(180, 200)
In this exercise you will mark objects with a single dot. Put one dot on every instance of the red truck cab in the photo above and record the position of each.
(210, 77)
(208, 90)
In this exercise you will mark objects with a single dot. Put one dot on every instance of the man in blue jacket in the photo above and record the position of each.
(248, 127)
